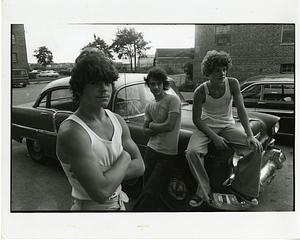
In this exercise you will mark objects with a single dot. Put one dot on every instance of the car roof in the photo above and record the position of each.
(271, 78)
(124, 78)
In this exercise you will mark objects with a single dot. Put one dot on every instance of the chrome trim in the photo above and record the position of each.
(272, 142)
(35, 130)
(53, 122)
(275, 161)
(258, 135)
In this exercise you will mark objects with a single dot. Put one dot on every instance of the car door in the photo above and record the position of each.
(41, 119)
(278, 99)
(32, 122)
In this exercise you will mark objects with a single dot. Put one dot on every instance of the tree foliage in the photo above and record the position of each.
(130, 44)
(101, 44)
(44, 56)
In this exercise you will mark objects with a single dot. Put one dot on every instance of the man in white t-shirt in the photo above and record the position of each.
(162, 124)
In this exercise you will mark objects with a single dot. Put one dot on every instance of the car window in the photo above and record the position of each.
(132, 100)
(43, 102)
(61, 99)
(289, 92)
(253, 92)
(279, 92)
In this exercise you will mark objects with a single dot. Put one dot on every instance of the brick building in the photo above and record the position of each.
(18, 47)
(254, 48)
(173, 59)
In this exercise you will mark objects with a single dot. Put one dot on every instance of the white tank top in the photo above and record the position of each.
(217, 112)
(106, 151)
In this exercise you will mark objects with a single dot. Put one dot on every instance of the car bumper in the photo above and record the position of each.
(273, 159)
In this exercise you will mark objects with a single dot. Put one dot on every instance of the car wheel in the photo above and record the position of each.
(35, 150)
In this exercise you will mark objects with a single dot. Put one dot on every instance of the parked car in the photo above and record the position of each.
(38, 123)
(65, 71)
(19, 77)
(33, 74)
(48, 73)
(274, 94)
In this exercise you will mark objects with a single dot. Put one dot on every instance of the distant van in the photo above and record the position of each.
(19, 77)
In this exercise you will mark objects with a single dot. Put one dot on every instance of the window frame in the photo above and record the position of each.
(223, 33)
(14, 60)
(285, 65)
(285, 30)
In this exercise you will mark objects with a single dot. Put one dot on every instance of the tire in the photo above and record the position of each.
(35, 150)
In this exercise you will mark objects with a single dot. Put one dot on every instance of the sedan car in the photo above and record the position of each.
(48, 73)
(38, 124)
(274, 94)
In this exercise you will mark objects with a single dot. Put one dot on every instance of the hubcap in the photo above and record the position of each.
(36, 146)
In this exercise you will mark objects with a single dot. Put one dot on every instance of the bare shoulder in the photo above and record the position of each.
(121, 121)
(234, 85)
(199, 93)
(72, 130)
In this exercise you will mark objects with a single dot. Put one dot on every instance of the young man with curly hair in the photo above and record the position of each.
(162, 124)
(212, 115)
(94, 145)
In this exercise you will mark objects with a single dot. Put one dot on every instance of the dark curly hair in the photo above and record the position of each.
(91, 67)
(159, 74)
(214, 59)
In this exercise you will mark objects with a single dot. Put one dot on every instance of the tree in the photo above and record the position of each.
(101, 44)
(130, 44)
(44, 56)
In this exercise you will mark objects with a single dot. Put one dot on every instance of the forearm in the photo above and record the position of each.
(149, 132)
(202, 126)
(116, 174)
(160, 127)
(136, 168)
(243, 116)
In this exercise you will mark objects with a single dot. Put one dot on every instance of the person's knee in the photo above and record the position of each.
(192, 154)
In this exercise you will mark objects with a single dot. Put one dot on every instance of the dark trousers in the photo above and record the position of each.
(157, 173)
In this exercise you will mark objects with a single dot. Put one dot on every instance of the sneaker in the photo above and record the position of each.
(244, 198)
(196, 201)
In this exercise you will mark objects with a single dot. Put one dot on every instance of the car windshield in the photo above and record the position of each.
(131, 100)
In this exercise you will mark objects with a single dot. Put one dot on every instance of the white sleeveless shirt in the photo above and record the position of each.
(217, 112)
(107, 152)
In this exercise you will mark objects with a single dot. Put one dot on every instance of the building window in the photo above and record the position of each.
(288, 34)
(13, 39)
(14, 57)
(287, 68)
(223, 36)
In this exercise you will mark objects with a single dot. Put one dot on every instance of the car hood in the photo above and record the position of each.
(187, 119)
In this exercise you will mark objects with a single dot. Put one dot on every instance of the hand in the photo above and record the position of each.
(149, 132)
(253, 142)
(221, 143)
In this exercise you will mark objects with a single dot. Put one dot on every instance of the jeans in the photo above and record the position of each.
(248, 169)
(158, 168)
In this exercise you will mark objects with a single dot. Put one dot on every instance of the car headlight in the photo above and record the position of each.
(275, 128)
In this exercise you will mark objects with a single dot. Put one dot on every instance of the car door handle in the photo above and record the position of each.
(261, 102)
(44, 113)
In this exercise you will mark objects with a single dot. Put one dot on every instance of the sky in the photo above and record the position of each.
(66, 40)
